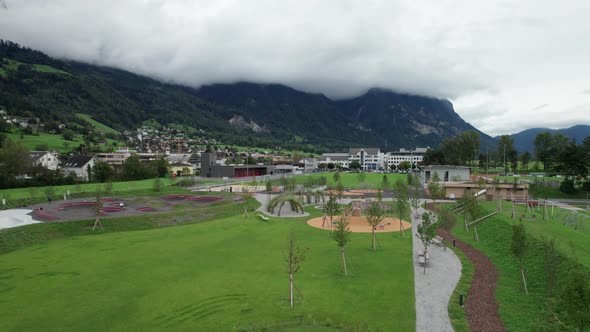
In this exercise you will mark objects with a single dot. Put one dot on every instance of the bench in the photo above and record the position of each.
(438, 240)
(423, 259)
(265, 218)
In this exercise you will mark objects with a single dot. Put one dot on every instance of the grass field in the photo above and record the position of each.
(99, 126)
(53, 142)
(518, 310)
(13, 65)
(221, 275)
(353, 180)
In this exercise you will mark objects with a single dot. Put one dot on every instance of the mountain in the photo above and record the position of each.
(524, 140)
(32, 83)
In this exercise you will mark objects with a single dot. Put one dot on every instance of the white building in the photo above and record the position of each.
(370, 159)
(336, 159)
(446, 173)
(45, 159)
(413, 156)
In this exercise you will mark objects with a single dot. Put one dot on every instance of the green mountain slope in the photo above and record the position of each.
(246, 114)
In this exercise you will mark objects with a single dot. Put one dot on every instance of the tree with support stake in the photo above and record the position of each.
(246, 195)
(401, 204)
(331, 209)
(341, 235)
(97, 210)
(519, 247)
(293, 259)
(374, 218)
(426, 232)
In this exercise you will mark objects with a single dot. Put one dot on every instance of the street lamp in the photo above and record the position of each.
(504, 159)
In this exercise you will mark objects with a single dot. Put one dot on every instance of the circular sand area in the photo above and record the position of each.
(360, 225)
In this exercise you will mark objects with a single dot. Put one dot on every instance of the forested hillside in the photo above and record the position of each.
(33, 84)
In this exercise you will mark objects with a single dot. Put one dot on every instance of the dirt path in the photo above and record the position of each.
(481, 308)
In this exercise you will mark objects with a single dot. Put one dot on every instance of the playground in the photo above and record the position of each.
(86, 208)
(358, 221)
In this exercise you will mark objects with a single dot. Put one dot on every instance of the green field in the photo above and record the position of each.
(225, 274)
(518, 310)
(13, 65)
(53, 142)
(99, 126)
(352, 180)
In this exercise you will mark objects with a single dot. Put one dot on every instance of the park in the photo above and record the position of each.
(216, 260)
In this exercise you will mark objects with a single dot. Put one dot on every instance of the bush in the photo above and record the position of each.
(567, 186)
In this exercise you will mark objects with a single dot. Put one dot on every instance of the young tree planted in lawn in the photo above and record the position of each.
(339, 189)
(331, 208)
(336, 177)
(401, 203)
(341, 235)
(375, 215)
(575, 298)
(552, 260)
(97, 208)
(519, 247)
(436, 188)
(426, 231)
(293, 259)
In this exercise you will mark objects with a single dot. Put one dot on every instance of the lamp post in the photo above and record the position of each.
(504, 159)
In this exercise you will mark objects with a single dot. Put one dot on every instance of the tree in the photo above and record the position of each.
(331, 208)
(375, 215)
(341, 235)
(506, 149)
(354, 165)
(435, 187)
(404, 166)
(525, 158)
(336, 177)
(519, 247)
(294, 257)
(160, 167)
(97, 208)
(103, 171)
(426, 232)
(401, 203)
(330, 166)
(575, 298)
(14, 158)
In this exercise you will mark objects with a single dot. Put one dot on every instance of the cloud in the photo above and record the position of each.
(516, 52)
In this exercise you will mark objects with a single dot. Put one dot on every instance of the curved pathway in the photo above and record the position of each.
(434, 289)
(481, 307)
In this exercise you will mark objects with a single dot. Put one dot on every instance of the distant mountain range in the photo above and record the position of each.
(524, 141)
(242, 113)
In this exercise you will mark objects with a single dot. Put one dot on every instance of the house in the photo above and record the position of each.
(45, 159)
(507, 191)
(114, 158)
(446, 173)
(80, 165)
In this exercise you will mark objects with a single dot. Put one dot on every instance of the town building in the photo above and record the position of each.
(446, 173)
(80, 165)
(45, 159)
(210, 168)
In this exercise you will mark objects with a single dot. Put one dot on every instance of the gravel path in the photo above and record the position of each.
(433, 289)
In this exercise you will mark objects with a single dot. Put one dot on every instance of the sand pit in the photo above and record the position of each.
(360, 225)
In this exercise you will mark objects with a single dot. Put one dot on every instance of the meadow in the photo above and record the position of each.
(519, 311)
(213, 271)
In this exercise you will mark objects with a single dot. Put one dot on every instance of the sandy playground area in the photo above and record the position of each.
(358, 224)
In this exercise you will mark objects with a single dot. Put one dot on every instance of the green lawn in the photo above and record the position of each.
(214, 276)
(352, 180)
(99, 126)
(518, 310)
(53, 142)
(13, 65)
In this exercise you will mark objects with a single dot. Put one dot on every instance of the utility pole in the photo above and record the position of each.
(487, 159)
(504, 159)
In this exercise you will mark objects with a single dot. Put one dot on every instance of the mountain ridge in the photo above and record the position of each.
(241, 113)
(524, 140)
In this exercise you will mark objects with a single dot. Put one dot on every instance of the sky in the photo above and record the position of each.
(506, 65)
